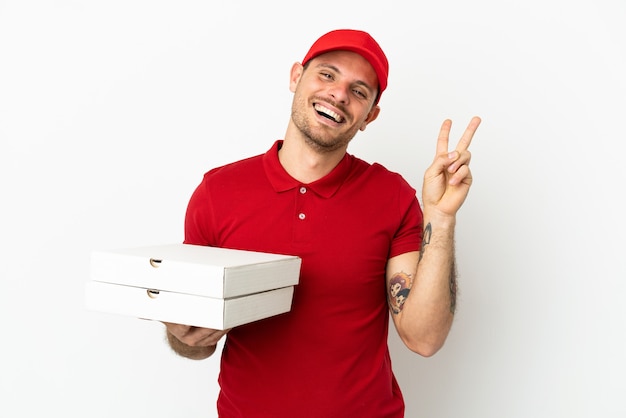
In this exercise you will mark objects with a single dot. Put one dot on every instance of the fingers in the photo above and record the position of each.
(458, 159)
(444, 134)
(455, 164)
(466, 139)
(464, 142)
(205, 337)
(195, 336)
(460, 175)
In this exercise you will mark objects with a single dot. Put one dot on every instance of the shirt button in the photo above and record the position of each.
(301, 216)
(303, 190)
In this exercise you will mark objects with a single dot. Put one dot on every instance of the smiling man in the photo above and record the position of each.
(369, 250)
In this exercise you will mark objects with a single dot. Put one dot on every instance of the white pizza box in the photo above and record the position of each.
(193, 285)
(181, 308)
(195, 269)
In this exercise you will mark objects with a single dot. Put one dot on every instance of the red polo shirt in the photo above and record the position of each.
(328, 357)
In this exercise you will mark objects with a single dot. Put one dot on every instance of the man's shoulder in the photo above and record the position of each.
(237, 168)
(377, 172)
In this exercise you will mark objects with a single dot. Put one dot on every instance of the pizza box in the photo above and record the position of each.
(195, 269)
(194, 285)
(181, 308)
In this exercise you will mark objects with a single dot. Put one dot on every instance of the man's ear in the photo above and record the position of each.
(296, 73)
(371, 117)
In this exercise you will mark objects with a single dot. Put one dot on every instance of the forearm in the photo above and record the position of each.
(425, 317)
(190, 352)
(428, 312)
(437, 261)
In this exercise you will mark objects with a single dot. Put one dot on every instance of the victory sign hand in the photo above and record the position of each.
(447, 181)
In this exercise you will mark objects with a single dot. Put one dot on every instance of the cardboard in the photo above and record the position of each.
(195, 269)
(194, 285)
(180, 308)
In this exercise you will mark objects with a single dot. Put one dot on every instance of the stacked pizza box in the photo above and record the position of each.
(194, 285)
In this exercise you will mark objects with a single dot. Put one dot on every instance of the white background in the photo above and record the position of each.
(111, 111)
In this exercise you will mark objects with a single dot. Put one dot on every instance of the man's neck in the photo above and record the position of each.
(304, 163)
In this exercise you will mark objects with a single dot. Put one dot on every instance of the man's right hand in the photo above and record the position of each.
(193, 342)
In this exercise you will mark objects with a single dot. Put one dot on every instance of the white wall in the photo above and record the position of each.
(110, 112)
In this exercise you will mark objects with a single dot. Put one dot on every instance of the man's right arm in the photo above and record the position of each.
(193, 342)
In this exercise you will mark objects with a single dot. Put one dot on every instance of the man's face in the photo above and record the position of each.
(333, 99)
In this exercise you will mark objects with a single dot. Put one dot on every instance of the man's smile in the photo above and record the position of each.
(326, 112)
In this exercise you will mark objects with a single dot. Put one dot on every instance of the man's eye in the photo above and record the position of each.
(360, 93)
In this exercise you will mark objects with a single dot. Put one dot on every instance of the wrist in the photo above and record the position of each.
(438, 219)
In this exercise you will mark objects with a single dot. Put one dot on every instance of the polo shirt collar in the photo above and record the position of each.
(281, 181)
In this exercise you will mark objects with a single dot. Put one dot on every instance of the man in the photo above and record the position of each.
(367, 249)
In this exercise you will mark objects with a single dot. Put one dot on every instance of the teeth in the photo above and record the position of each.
(337, 118)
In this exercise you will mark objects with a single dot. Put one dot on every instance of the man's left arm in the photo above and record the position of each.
(422, 285)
